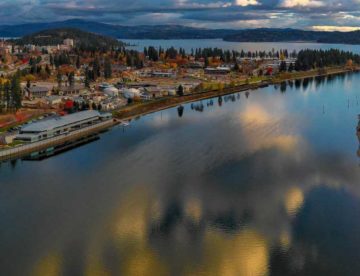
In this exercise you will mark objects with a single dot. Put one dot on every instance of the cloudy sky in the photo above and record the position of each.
(304, 14)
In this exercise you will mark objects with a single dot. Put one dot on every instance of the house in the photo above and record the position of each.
(72, 90)
(217, 71)
(37, 91)
(163, 74)
(195, 65)
(36, 103)
(54, 100)
(155, 92)
(69, 42)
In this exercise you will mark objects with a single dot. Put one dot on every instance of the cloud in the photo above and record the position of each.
(335, 28)
(245, 3)
(302, 3)
(302, 14)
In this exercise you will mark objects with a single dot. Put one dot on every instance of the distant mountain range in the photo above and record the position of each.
(183, 32)
(118, 31)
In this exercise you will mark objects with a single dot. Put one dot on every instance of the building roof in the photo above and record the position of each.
(58, 122)
(35, 89)
(217, 69)
(75, 87)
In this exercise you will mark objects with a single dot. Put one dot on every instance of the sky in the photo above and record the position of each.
(342, 15)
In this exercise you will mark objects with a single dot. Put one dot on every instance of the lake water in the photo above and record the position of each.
(188, 44)
(261, 185)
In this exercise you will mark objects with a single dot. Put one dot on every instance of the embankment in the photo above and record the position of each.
(138, 109)
(26, 149)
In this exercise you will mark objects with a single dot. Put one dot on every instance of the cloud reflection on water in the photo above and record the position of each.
(232, 190)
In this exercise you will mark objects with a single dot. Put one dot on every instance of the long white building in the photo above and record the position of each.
(54, 127)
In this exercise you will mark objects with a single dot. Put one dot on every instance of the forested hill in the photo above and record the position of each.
(184, 32)
(275, 35)
(117, 31)
(82, 39)
(291, 35)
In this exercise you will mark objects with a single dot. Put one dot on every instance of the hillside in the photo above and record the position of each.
(283, 35)
(118, 31)
(184, 32)
(82, 39)
(275, 35)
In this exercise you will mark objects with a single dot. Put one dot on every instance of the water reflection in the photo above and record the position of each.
(262, 186)
(180, 111)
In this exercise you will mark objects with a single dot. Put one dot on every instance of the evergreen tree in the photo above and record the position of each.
(206, 62)
(2, 99)
(7, 95)
(16, 91)
(59, 79)
(51, 60)
(96, 68)
(283, 66)
(48, 70)
(87, 78)
(236, 67)
(78, 62)
(107, 69)
(71, 78)
(291, 67)
(180, 90)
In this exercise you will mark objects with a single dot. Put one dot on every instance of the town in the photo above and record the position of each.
(177, 137)
(40, 80)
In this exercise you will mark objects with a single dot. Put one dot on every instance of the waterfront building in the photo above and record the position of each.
(130, 93)
(60, 125)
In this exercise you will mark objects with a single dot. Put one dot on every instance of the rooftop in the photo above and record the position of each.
(50, 124)
(34, 89)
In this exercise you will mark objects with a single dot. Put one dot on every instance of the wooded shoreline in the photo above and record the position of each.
(140, 109)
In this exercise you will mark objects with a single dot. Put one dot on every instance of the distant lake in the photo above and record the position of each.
(188, 44)
(263, 184)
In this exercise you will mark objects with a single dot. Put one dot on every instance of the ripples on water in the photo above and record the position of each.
(259, 185)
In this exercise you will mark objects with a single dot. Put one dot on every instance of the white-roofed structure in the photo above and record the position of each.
(130, 93)
(60, 125)
(111, 91)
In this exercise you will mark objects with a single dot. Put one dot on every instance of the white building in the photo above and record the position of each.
(69, 42)
(130, 93)
(111, 91)
(61, 125)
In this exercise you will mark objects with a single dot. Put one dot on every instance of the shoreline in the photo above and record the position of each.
(142, 109)
(26, 149)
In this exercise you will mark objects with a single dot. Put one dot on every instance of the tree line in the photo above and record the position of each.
(11, 94)
(312, 59)
(226, 56)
